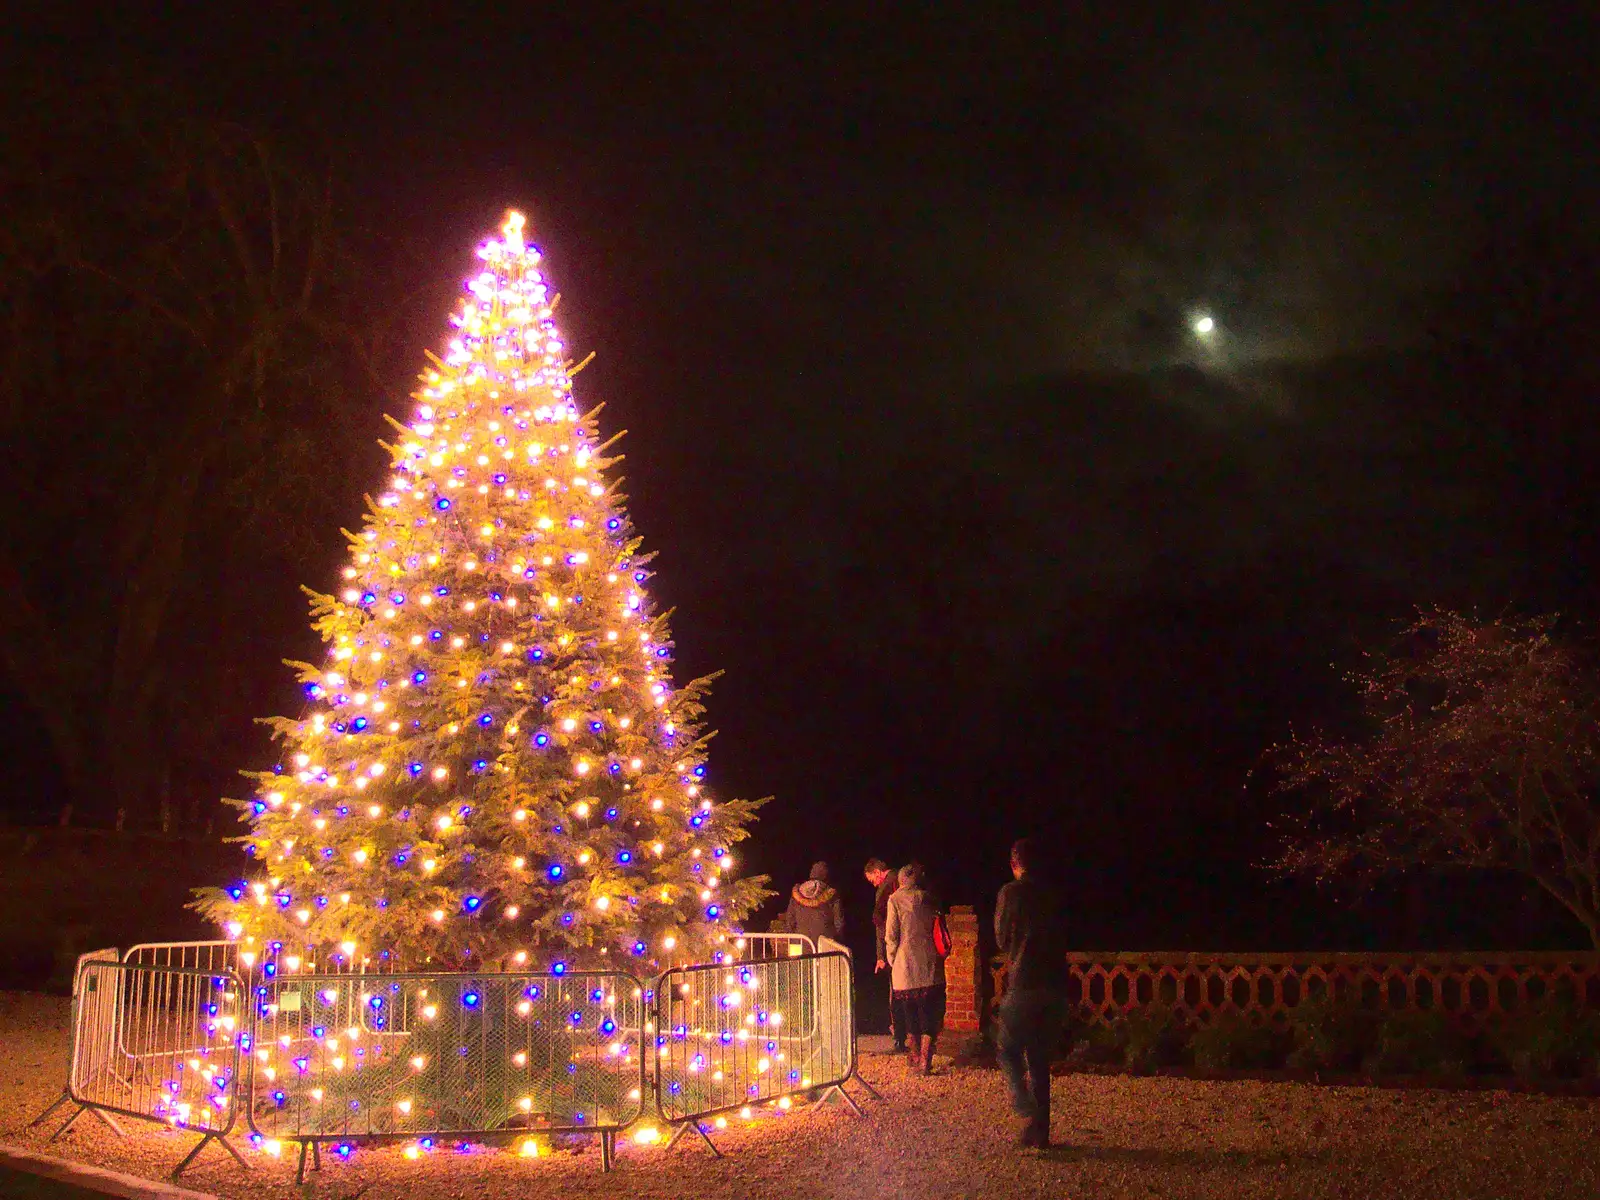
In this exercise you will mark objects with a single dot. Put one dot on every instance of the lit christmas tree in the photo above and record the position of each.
(494, 769)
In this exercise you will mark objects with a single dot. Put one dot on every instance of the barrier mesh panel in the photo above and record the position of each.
(156, 1042)
(750, 1032)
(445, 1053)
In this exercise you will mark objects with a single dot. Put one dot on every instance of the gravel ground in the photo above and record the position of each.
(946, 1136)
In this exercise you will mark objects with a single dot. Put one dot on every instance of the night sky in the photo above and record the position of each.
(897, 310)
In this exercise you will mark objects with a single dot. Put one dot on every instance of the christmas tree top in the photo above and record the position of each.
(494, 768)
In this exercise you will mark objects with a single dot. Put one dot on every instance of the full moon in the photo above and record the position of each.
(1204, 326)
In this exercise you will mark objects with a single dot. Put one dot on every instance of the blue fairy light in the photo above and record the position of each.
(596, 726)
(415, 768)
(555, 871)
(472, 903)
(359, 724)
(368, 598)
(712, 912)
(638, 947)
(611, 813)
(419, 677)
(558, 968)
(471, 998)
(541, 739)
(486, 719)
(535, 653)
(624, 856)
(435, 634)
(442, 504)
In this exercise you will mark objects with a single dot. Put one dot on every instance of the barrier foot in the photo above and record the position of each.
(685, 1128)
(871, 1091)
(103, 1118)
(233, 1150)
(220, 1140)
(64, 1098)
(316, 1160)
(842, 1094)
(608, 1151)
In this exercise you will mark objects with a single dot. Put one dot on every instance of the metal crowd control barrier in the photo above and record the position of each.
(493, 1056)
(103, 1004)
(746, 1033)
(755, 947)
(164, 1033)
(156, 1043)
(193, 956)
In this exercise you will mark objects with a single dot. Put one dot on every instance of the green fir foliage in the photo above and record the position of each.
(494, 765)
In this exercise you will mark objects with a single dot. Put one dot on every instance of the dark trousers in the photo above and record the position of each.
(1029, 1025)
(897, 1018)
(920, 1013)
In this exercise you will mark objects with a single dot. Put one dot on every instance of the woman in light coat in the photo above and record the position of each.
(917, 971)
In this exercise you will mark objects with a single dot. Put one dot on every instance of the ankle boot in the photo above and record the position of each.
(914, 1055)
(927, 1053)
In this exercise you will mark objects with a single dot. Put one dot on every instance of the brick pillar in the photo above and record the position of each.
(962, 981)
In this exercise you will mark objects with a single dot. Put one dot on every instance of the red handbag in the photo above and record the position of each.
(942, 945)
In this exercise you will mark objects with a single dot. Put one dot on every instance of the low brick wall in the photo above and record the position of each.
(1473, 989)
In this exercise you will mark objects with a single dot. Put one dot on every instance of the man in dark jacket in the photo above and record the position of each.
(814, 908)
(885, 882)
(1027, 931)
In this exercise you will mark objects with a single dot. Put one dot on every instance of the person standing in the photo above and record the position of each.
(884, 881)
(916, 970)
(814, 908)
(1028, 933)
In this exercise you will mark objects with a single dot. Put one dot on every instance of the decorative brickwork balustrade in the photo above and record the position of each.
(1473, 989)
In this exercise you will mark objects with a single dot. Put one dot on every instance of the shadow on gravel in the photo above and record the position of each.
(1193, 1160)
